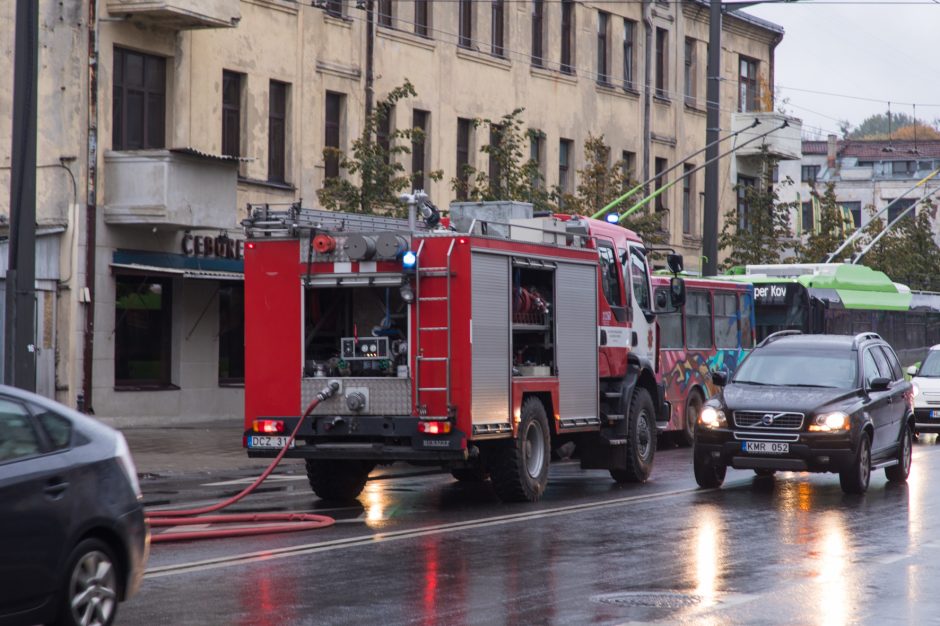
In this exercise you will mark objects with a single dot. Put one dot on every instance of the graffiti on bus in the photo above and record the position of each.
(685, 370)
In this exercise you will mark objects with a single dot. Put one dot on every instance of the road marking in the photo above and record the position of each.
(371, 539)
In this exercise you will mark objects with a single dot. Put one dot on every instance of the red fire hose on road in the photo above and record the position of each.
(291, 522)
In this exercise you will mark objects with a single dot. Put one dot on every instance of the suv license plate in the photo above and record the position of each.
(935, 413)
(265, 441)
(765, 447)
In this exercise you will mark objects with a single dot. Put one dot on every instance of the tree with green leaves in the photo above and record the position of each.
(893, 126)
(907, 253)
(760, 233)
(374, 174)
(512, 175)
(829, 232)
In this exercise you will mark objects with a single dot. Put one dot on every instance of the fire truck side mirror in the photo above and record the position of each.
(675, 263)
(676, 291)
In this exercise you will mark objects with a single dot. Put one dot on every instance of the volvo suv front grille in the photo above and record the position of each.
(771, 420)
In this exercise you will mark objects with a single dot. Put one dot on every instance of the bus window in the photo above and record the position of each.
(609, 275)
(726, 320)
(698, 320)
(670, 327)
(747, 330)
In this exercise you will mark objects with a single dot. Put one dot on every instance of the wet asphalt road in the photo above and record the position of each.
(421, 548)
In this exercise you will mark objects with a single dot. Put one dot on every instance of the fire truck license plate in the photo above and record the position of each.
(765, 447)
(266, 441)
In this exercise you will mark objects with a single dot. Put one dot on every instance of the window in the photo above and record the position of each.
(139, 101)
(232, 334)
(422, 17)
(748, 93)
(639, 280)
(334, 113)
(744, 183)
(628, 166)
(809, 173)
(498, 27)
(335, 7)
(747, 330)
(892, 360)
(807, 218)
(496, 174)
(670, 325)
(726, 320)
(18, 438)
(419, 143)
(610, 278)
(853, 210)
(903, 168)
(565, 147)
(690, 71)
(536, 139)
(466, 24)
(567, 33)
(464, 131)
(231, 113)
(277, 125)
(662, 63)
(661, 166)
(603, 52)
(142, 331)
(383, 130)
(698, 320)
(58, 429)
(629, 37)
(871, 366)
(385, 13)
(688, 194)
(538, 35)
(899, 206)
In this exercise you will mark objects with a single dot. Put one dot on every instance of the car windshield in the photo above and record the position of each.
(806, 369)
(931, 365)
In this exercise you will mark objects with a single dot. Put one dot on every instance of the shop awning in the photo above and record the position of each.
(157, 270)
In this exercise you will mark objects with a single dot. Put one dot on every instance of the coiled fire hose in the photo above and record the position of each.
(289, 522)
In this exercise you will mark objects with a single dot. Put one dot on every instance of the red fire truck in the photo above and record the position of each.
(485, 350)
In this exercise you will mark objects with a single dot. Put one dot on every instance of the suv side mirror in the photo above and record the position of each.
(676, 291)
(719, 379)
(912, 370)
(879, 383)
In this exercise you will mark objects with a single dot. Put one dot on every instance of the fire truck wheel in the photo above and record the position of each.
(641, 440)
(469, 474)
(337, 480)
(692, 408)
(519, 470)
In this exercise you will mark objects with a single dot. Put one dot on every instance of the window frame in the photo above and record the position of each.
(688, 192)
(465, 24)
(748, 85)
(538, 33)
(662, 64)
(564, 165)
(422, 25)
(165, 323)
(498, 28)
(419, 171)
(43, 446)
(603, 48)
(278, 108)
(567, 36)
(464, 131)
(333, 132)
(691, 98)
(710, 315)
(735, 315)
(232, 112)
(151, 92)
(629, 45)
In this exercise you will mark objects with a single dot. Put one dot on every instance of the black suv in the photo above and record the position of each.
(810, 403)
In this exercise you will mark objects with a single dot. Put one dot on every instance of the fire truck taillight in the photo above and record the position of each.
(268, 426)
(324, 244)
(434, 428)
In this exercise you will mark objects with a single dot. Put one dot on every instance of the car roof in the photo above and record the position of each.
(819, 342)
(89, 425)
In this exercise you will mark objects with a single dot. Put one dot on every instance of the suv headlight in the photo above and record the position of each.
(711, 417)
(830, 422)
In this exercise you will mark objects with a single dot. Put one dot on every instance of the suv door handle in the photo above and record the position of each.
(55, 487)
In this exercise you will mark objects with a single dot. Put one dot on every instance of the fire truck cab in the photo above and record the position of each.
(486, 350)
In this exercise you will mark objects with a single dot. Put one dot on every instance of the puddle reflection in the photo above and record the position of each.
(709, 554)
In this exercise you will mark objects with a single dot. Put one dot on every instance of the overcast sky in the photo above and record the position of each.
(880, 50)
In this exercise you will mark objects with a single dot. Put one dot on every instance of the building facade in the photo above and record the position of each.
(160, 120)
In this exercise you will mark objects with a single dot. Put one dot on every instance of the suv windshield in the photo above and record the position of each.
(931, 366)
(807, 369)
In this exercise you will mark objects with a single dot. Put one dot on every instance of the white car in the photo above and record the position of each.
(926, 381)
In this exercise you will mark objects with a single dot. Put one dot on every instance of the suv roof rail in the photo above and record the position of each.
(777, 335)
(865, 336)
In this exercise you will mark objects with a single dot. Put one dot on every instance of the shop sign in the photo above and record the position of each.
(222, 247)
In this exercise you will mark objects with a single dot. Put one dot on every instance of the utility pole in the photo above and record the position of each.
(712, 124)
(370, 55)
(20, 331)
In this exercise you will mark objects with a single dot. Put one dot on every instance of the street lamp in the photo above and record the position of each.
(712, 123)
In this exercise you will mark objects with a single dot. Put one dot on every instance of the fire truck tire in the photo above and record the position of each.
(692, 408)
(469, 474)
(519, 469)
(337, 480)
(641, 440)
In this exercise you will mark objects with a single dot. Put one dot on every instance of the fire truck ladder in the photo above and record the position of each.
(421, 274)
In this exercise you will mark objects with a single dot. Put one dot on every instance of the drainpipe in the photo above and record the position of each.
(648, 91)
(91, 210)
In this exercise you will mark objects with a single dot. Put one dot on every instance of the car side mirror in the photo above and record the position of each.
(879, 383)
(719, 379)
(676, 291)
(912, 370)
